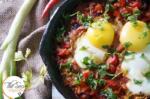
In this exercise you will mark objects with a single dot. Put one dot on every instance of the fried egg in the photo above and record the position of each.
(90, 44)
(137, 68)
(136, 35)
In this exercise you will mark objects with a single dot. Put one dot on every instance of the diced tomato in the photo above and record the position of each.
(63, 52)
(116, 13)
(112, 69)
(136, 4)
(122, 3)
(82, 88)
(113, 60)
(116, 5)
(75, 66)
(124, 10)
(93, 93)
(86, 74)
(120, 48)
(112, 84)
(98, 8)
(65, 45)
(101, 97)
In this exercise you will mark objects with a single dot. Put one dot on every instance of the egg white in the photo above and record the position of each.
(97, 55)
(136, 67)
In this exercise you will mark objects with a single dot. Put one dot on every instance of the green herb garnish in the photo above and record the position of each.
(105, 46)
(84, 20)
(137, 82)
(133, 18)
(98, 25)
(148, 25)
(147, 75)
(89, 63)
(67, 65)
(127, 44)
(109, 94)
(143, 55)
(127, 53)
(108, 7)
(102, 70)
(78, 78)
(143, 35)
(93, 83)
(83, 48)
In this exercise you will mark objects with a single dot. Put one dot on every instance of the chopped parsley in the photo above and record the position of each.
(147, 75)
(127, 44)
(148, 25)
(109, 94)
(84, 20)
(67, 65)
(128, 53)
(83, 48)
(137, 82)
(102, 70)
(93, 83)
(98, 25)
(89, 63)
(108, 7)
(145, 58)
(143, 35)
(133, 18)
(105, 46)
(78, 78)
(143, 55)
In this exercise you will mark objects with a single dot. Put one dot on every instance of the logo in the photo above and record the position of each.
(13, 87)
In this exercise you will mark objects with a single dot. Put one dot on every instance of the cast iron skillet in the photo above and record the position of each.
(48, 45)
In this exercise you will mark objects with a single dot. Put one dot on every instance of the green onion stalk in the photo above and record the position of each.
(8, 65)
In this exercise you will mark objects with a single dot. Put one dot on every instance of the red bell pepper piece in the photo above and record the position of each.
(113, 60)
(122, 3)
(136, 4)
(86, 74)
(49, 6)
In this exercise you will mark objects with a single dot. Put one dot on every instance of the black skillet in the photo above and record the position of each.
(47, 47)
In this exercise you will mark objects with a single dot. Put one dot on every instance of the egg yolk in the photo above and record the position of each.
(100, 34)
(135, 37)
